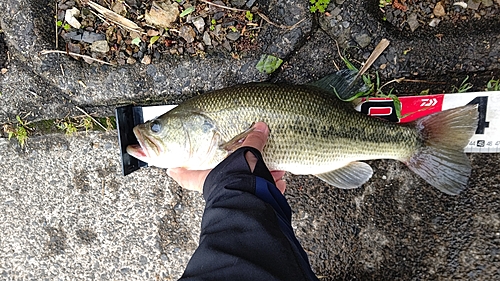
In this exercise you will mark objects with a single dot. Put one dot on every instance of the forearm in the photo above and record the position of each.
(246, 229)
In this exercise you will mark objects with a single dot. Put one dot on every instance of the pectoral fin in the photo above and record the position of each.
(236, 141)
(352, 175)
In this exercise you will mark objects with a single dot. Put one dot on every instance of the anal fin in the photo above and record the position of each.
(352, 175)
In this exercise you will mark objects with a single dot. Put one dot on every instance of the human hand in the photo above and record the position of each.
(194, 179)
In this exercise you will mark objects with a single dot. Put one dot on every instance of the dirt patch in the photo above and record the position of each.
(86, 235)
(57, 241)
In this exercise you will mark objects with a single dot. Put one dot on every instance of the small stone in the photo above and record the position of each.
(487, 3)
(434, 22)
(389, 16)
(3, 71)
(217, 30)
(119, 8)
(226, 45)
(363, 40)
(439, 10)
(413, 22)
(134, 34)
(100, 46)
(70, 17)
(131, 60)
(61, 14)
(336, 11)
(218, 15)
(471, 4)
(251, 2)
(88, 60)
(146, 60)
(162, 14)
(231, 23)
(383, 66)
(187, 33)
(238, 3)
(152, 32)
(74, 48)
(129, 51)
(339, 2)
(233, 36)
(86, 36)
(206, 38)
(199, 23)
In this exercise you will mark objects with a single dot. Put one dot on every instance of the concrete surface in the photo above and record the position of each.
(66, 213)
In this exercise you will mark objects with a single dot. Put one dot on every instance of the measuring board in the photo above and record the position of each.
(487, 136)
(485, 140)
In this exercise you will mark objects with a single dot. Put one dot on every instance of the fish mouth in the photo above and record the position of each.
(146, 147)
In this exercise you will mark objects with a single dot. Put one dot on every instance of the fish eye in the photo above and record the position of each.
(155, 126)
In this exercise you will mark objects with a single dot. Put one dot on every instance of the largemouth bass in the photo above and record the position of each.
(312, 132)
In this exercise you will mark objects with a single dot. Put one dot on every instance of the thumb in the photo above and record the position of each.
(189, 179)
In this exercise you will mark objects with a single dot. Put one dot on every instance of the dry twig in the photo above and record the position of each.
(114, 17)
(382, 45)
(93, 119)
(223, 7)
(45, 52)
(57, 31)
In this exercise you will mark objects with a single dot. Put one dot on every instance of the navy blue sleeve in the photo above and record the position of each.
(246, 231)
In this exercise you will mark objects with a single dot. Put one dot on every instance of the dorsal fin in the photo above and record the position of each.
(344, 84)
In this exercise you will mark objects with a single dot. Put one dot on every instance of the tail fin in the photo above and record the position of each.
(441, 160)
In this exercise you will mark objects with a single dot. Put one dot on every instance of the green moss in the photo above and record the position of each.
(22, 130)
(318, 5)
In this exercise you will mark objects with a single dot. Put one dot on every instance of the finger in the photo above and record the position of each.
(258, 137)
(278, 181)
(281, 185)
(189, 179)
(277, 175)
